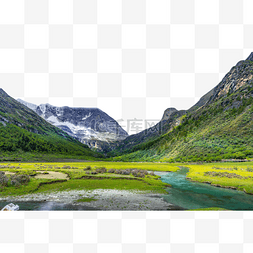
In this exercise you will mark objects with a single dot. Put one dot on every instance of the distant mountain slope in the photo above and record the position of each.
(89, 125)
(21, 129)
(219, 126)
(203, 100)
(29, 105)
(170, 119)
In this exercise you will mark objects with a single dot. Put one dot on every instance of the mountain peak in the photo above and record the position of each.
(91, 126)
(238, 76)
(2, 91)
(250, 58)
(168, 112)
(20, 100)
(27, 104)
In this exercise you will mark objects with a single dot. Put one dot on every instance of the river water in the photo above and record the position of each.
(183, 194)
(193, 195)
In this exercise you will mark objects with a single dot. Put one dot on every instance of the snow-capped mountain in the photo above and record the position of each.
(27, 104)
(89, 125)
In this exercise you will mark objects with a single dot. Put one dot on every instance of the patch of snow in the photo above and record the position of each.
(87, 116)
(87, 133)
(77, 130)
(27, 104)
(53, 120)
(43, 108)
(58, 111)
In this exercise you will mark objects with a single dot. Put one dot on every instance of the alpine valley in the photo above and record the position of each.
(63, 158)
(218, 126)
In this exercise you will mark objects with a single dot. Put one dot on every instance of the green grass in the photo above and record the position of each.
(21, 156)
(200, 173)
(79, 180)
(91, 184)
(85, 200)
(31, 187)
(109, 165)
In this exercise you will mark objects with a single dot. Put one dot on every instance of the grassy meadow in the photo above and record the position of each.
(48, 177)
(65, 176)
(233, 175)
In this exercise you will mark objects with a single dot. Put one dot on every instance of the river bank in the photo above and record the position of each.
(129, 186)
(101, 200)
(236, 176)
(197, 195)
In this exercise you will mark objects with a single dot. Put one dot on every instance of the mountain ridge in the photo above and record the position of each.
(207, 130)
(219, 126)
(91, 126)
(22, 130)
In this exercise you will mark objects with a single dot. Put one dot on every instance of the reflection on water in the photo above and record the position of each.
(47, 206)
(193, 195)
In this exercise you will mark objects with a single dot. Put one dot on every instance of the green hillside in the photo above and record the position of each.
(219, 126)
(25, 134)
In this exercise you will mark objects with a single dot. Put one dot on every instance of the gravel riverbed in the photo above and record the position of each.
(104, 199)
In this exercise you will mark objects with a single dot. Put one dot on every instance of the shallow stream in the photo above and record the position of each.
(193, 195)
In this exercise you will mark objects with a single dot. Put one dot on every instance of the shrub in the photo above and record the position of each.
(17, 180)
(126, 172)
(3, 179)
(140, 174)
(249, 169)
(134, 173)
(87, 168)
(66, 167)
(101, 170)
